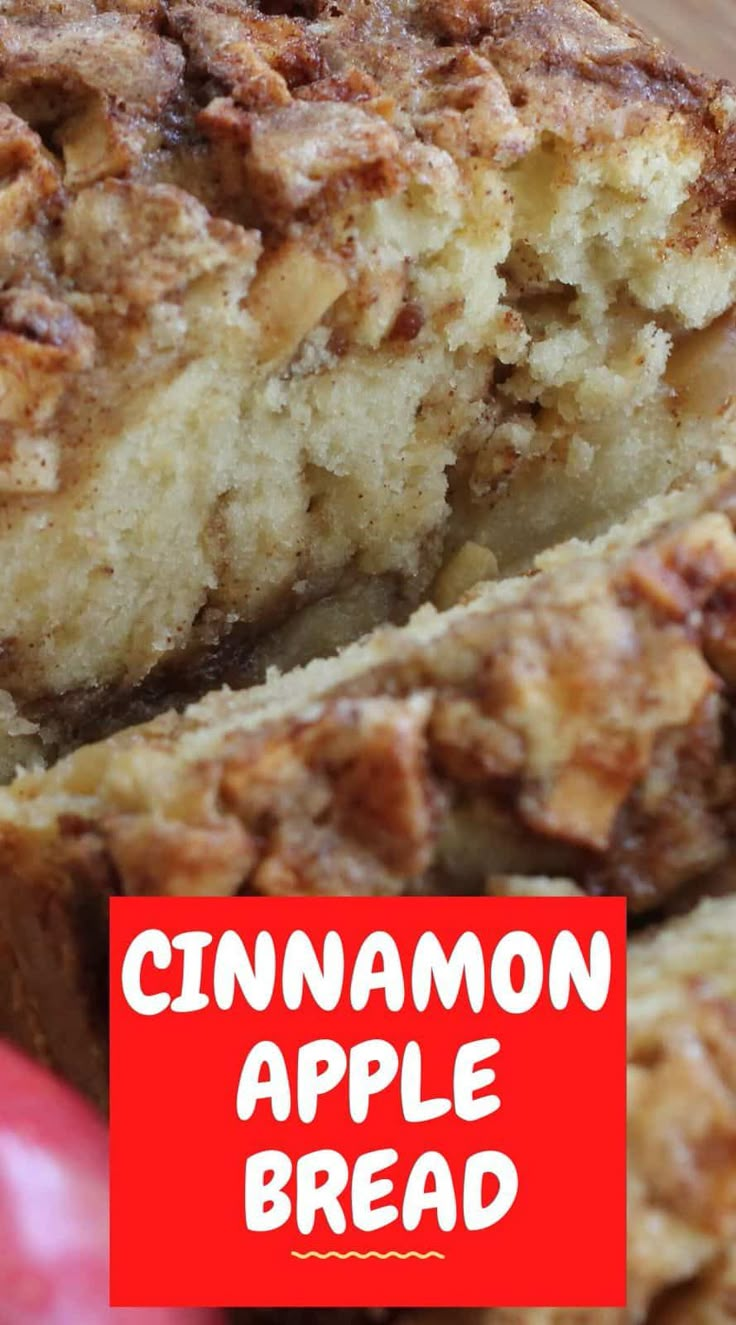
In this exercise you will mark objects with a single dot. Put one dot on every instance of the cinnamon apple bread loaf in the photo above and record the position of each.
(574, 721)
(300, 302)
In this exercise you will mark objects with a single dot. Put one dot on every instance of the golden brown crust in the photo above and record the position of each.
(581, 713)
(53, 970)
(260, 115)
(148, 80)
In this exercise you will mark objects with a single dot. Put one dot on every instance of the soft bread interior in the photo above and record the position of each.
(278, 388)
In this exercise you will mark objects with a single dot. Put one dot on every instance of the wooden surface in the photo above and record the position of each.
(702, 31)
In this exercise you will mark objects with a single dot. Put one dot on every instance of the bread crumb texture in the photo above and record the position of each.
(575, 720)
(303, 296)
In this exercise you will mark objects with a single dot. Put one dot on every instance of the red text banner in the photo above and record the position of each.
(368, 1102)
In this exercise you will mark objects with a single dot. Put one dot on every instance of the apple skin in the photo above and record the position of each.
(54, 1208)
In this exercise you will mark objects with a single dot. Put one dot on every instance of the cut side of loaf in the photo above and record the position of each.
(307, 315)
(575, 720)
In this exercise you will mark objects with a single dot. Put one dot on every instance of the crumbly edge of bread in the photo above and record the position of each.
(579, 710)
(490, 201)
(574, 721)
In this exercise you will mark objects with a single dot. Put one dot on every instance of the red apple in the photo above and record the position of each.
(53, 1208)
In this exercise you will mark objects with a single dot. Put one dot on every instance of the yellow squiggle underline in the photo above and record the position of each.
(366, 1255)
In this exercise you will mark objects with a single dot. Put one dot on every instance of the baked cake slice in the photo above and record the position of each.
(302, 302)
(574, 721)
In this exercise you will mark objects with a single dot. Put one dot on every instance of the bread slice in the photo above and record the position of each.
(302, 301)
(573, 721)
